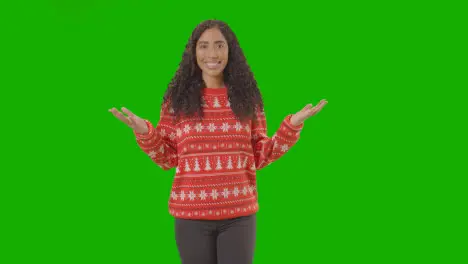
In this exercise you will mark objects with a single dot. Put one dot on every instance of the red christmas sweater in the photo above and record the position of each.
(216, 160)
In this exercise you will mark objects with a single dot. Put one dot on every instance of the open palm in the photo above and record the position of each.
(306, 112)
(131, 120)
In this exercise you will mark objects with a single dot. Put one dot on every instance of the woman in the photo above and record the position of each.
(212, 130)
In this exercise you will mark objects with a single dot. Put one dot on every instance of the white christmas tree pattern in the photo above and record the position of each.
(207, 165)
(229, 165)
(218, 164)
(187, 167)
(197, 165)
(216, 103)
(239, 164)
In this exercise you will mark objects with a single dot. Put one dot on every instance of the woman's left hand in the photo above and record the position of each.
(306, 112)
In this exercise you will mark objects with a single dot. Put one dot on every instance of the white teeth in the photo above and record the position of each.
(212, 65)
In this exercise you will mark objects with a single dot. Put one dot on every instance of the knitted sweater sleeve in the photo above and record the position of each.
(267, 150)
(159, 144)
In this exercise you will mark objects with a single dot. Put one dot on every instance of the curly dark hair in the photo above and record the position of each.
(184, 92)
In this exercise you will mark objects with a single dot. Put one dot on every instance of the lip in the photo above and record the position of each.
(213, 64)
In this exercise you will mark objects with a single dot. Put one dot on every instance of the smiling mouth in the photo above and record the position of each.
(213, 65)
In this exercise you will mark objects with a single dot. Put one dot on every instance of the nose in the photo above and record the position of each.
(212, 53)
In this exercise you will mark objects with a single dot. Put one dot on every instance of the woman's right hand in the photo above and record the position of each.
(136, 123)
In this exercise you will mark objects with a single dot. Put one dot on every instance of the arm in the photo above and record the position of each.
(267, 150)
(159, 143)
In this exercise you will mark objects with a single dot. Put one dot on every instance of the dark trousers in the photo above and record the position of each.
(230, 241)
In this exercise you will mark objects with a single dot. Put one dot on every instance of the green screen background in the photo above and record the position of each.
(375, 178)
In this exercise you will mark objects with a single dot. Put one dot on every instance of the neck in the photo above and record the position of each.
(213, 82)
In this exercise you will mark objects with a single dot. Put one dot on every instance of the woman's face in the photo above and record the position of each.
(212, 52)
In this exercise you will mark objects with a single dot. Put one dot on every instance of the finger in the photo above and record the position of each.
(120, 116)
(307, 107)
(323, 102)
(128, 112)
(317, 108)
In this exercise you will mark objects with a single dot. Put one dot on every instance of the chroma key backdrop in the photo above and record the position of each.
(374, 177)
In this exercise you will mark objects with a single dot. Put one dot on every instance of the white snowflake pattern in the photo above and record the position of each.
(284, 148)
(225, 127)
(236, 192)
(192, 195)
(187, 128)
(238, 126)
(214, 194)
(199, 127)
(172, 136)
(211, 127)
(203, 195)
(226, 193)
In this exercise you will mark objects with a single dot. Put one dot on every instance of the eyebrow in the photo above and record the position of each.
(216, 42)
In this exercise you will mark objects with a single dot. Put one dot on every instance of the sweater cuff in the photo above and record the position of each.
(287, 122)
(147, 136)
